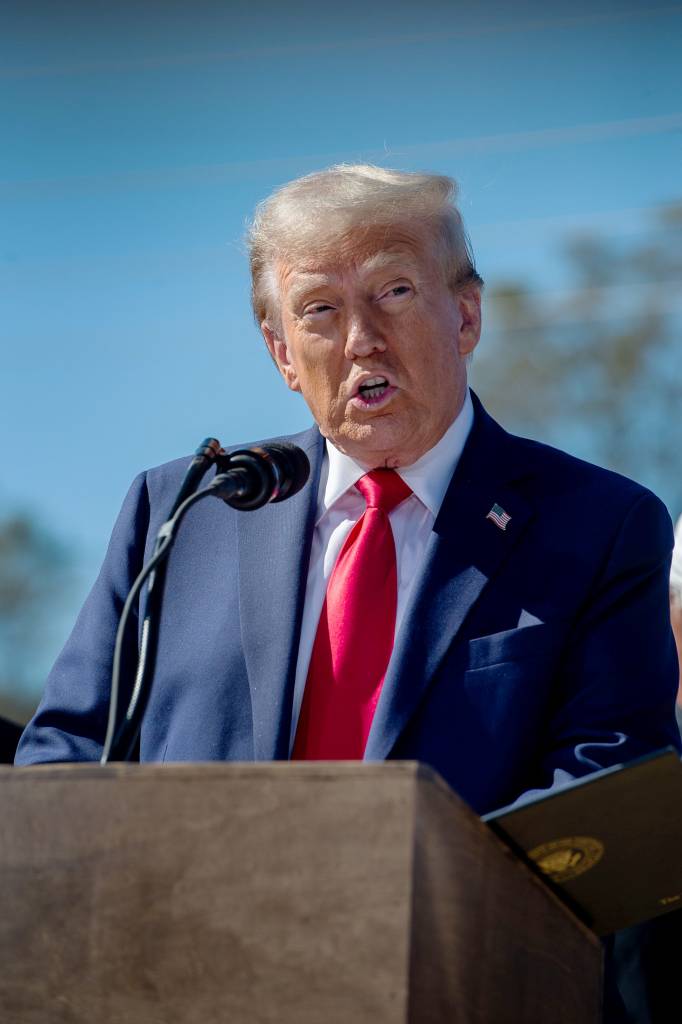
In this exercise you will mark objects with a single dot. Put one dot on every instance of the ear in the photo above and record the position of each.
(469, 304)
(279, 350)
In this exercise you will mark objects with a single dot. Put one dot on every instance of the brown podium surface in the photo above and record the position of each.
(326, 893)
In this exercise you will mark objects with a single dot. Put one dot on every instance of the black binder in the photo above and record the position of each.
(610, 844)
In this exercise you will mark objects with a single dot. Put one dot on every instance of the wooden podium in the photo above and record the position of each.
(282, 893)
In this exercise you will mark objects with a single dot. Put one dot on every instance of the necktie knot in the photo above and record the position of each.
(383, 489)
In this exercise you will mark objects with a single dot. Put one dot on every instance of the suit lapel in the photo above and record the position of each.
(274, 550)
(465, 551)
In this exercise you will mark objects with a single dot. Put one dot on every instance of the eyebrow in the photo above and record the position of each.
(384, 260)
(308, 283)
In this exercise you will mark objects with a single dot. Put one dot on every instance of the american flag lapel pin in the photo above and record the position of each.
(499, 517)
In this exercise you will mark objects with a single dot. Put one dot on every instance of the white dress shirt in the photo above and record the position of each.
(340, 505)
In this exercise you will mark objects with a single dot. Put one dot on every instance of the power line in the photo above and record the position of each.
(359, 43)
(245, 169)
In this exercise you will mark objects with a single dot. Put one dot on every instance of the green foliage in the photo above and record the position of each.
(34, 580)
(596, 369)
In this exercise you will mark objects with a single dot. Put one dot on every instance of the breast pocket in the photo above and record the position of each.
(540, 641)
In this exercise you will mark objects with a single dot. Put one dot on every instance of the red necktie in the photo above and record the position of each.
(355, 633)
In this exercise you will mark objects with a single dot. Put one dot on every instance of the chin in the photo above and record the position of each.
(370, 451)
(375, 443)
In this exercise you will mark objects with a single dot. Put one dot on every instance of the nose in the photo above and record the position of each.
(363, 335)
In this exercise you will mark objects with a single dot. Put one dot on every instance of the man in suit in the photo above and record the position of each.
(439, 590)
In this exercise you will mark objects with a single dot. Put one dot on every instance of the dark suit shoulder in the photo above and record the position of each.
(581, 499)
(543, 470)
(562, 472)
(574, 501)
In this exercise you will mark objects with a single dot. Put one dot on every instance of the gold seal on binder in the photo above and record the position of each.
(562, 859)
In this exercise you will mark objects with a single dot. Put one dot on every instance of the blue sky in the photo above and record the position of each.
(137, 138)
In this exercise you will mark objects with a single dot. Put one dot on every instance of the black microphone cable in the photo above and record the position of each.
(118, 747)
(249, 479)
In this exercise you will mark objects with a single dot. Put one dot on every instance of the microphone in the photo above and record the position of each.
(206, 453)
(251, 477)
(248, 478)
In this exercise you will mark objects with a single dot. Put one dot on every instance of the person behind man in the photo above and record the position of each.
(439, 590)
(645, 957)
(676, 608)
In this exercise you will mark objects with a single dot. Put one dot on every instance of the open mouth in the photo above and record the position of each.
(373, 390)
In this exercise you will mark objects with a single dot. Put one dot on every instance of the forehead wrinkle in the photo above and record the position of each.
(305, 280)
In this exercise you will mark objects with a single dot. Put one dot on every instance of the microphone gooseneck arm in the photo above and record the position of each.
(249, 479)
(206, 454)
(119, 743)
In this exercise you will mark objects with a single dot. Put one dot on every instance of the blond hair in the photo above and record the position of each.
(309, 215)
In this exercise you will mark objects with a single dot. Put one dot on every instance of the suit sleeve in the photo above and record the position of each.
(616, 690)
(71, 719)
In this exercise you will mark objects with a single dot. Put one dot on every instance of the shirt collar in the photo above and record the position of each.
(428, 477)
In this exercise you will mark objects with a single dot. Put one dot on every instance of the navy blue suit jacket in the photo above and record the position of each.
(528, 656)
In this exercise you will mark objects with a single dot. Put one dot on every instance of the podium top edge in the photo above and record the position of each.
(233, 770)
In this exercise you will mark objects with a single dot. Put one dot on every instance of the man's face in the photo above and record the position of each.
(376, 342)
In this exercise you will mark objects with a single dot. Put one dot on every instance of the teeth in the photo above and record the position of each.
(372, 392)
(374, 387)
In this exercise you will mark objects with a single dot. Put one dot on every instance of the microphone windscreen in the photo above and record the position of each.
(293, 465)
